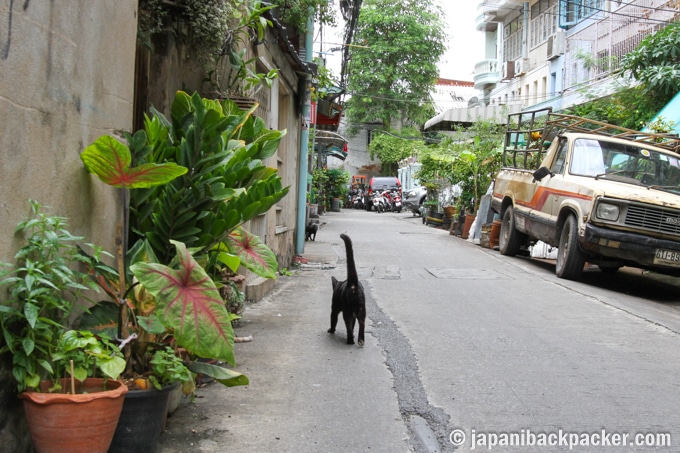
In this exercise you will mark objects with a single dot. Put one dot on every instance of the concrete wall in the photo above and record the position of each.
(67, 77)
(67, 71)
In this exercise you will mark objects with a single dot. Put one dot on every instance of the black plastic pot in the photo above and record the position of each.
(141, 421)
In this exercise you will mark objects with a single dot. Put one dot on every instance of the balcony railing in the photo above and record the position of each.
(487, 72)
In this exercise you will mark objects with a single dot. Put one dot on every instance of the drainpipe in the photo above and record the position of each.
(304, 144)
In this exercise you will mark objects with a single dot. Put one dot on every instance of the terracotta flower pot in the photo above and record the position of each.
(469, 219)
(83, 422)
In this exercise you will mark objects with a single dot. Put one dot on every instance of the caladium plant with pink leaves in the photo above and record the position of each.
(189, 304)
(186, 304)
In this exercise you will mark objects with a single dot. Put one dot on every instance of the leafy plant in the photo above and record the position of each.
(329, 183)
(656, 61)
(326, 81)
(188, 303)
(285, 272)
(655, 65)
(228, 184)
(175, 300)
(298, 12)
(91, 356)
(391, 148)
(238, 74)
(630, 107)
(168, 368)
(471, 159)
(206, 23)
(43, 287)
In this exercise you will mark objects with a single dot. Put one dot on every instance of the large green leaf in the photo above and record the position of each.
(227, 186)
(225, 376)
(189, 303)
(254, 254)
(110, 160)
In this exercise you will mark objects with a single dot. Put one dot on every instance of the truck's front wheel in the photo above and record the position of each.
(510, 239)
(570, 259)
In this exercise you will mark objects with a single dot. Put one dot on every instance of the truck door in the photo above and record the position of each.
(547, 201)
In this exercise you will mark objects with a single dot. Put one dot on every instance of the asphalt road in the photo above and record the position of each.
(464, 346)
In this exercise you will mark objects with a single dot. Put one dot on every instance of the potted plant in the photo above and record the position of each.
(430, 207)
(236, 77)
(66, 378)
(173, 299)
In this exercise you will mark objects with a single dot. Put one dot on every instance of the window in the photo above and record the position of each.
(558, 165)
(573, 11)
(586, 159)
(512, 39)
(543, 21)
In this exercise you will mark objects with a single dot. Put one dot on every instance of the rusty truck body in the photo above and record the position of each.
(601, 194)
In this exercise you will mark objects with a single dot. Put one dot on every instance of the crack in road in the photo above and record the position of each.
(414, 405)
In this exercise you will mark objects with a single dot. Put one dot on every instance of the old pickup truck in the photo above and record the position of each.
(601, 194)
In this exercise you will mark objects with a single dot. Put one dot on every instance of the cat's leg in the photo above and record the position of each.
(361, 317)
(334, 321)
(349, 324)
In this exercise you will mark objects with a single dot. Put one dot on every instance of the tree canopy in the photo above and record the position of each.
(656, 61)
(394, 62)
(392, 148)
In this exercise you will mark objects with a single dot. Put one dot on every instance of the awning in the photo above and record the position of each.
(495, 113)
(331, 144)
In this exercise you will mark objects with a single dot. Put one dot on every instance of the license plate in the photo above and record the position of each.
(667, 257)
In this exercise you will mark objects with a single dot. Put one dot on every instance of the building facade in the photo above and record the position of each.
(555, 53)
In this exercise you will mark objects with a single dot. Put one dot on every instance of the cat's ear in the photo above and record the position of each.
(334, 281)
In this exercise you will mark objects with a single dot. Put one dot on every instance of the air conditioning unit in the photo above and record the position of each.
(521, 66)
(508, 70)
(556, 44)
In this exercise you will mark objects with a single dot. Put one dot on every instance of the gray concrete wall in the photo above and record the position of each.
(67, 72)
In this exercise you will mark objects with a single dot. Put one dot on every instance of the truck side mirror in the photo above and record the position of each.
(542, 173)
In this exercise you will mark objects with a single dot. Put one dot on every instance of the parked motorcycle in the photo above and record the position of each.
(358, 201)
(396, 201)
(379, 202)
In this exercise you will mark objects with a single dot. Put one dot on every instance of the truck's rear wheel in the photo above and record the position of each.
(570, 259)
(510, 239)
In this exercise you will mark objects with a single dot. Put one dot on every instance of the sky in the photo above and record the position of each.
(465, 44)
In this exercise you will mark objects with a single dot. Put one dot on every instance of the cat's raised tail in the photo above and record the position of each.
(352, 276)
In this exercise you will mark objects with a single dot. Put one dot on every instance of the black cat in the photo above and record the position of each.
(310, 231)
(349, 298)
